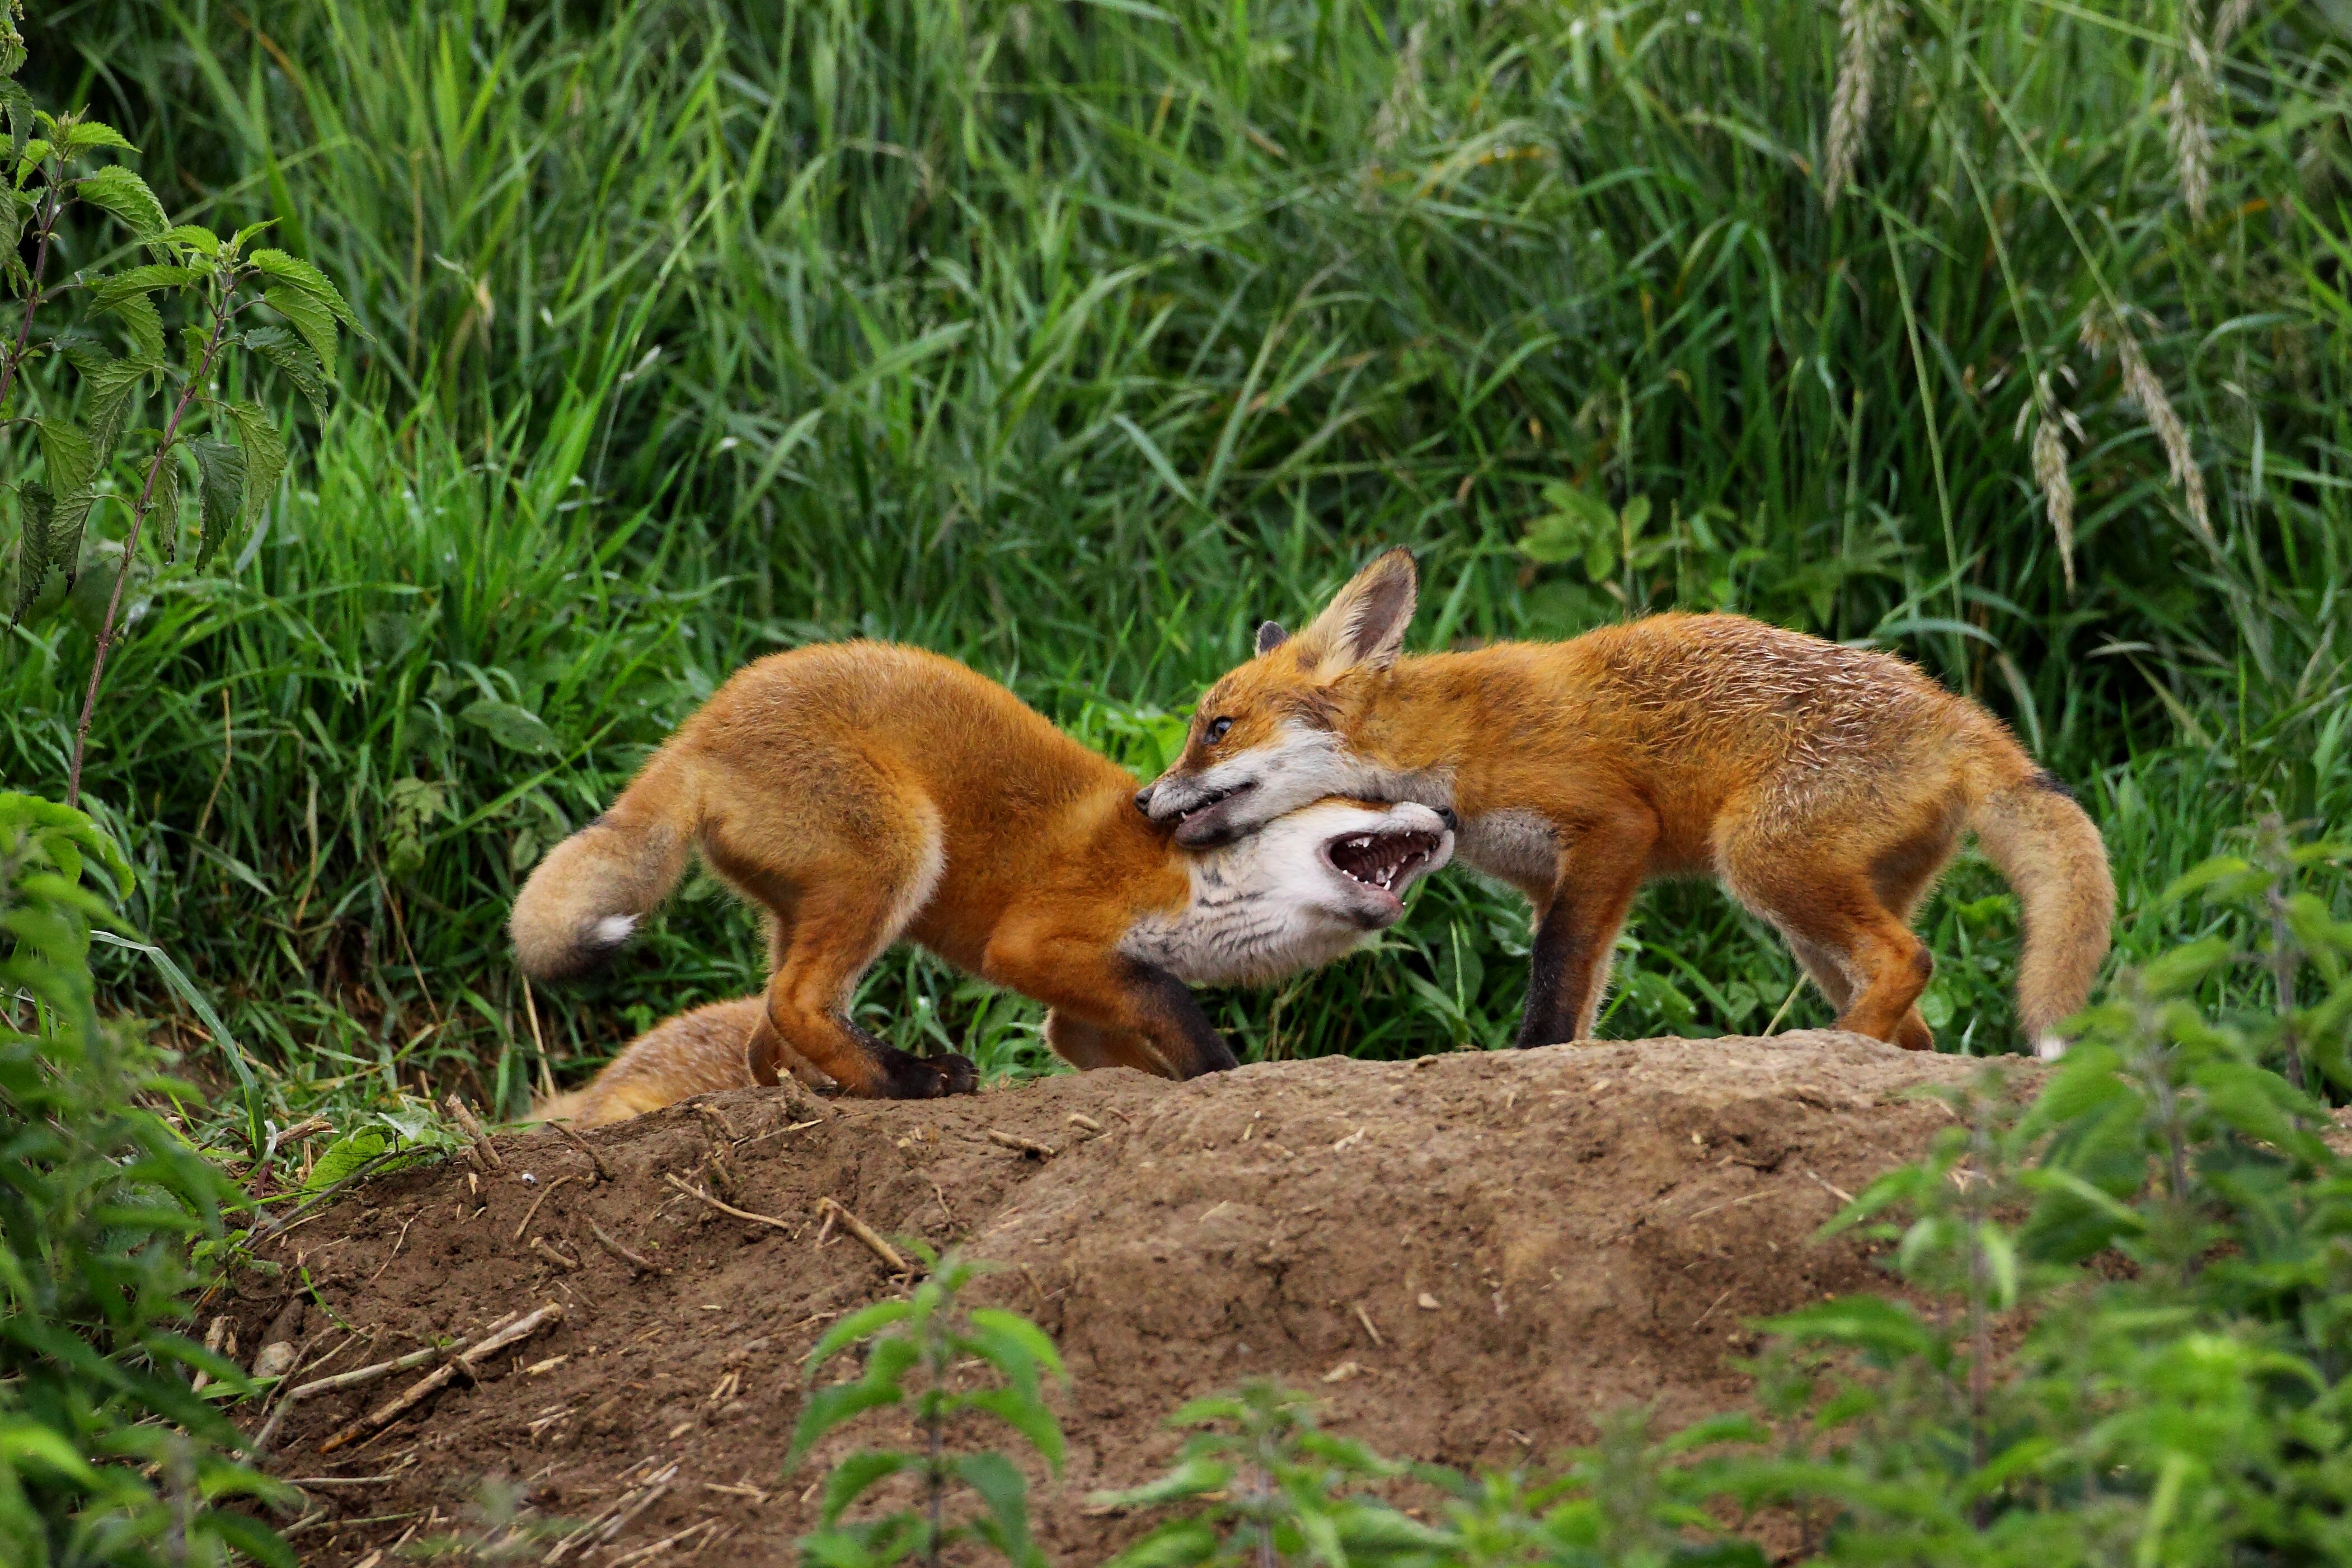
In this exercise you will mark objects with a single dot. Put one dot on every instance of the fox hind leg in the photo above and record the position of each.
(835, 901)
(1864, 959)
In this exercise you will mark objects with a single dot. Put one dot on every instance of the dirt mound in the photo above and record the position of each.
(1481, 1254)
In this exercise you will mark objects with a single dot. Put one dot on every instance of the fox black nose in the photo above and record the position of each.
(1143, 800)
(1453, 823)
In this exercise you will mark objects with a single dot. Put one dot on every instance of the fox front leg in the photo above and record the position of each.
(1112, 991)
(1576, 928)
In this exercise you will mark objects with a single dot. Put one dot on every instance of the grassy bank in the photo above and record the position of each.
(1071, 340)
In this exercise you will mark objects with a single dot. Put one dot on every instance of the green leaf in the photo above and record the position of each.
(516, 729)
(294, 362)
(310, 318)
(296, 273)
(1002, 1487)
(345, 1155)
(855, 1476)
(2227, 873)
(220, 469)
(69, 457)
(861, 1324)
(109, 387)
(1025, 1415)
(246, 1534)
(196, 236)
(828, 1407)
(1185, 1544)
(142, 323)
(35, 558)
(125, 294)
(105, 291)
(16, 104)
(93, 133)
(2180, 969)
(121, 192)
(1187, 1479)
(27, 1442)
(265, 459)
(1034, 1341)
(163, 506)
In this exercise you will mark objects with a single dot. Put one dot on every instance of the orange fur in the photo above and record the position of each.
(1825, 786)
(862, 792)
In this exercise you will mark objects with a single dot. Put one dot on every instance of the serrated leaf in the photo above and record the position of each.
(196, 236)
(1002, 1487)
(68, 454)
(296, 273)
(194, 344)
(163, 507)
(828, 1407)
(121, 192)
(104, 291)
(265, 459)
(861, 1324)
(220, 468)
(1025, 1415)
(855, 1476)
(93, 133)
(236, 242)
(110, 385)
(14, 101)
(35, 558)
(310, 318)
(296, 362)
(142, 323)
(1182, 1543)
(14, 208)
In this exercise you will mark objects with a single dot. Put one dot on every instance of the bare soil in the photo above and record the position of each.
(1469, 1259)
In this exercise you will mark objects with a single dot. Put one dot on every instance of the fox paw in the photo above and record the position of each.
(932, 1078)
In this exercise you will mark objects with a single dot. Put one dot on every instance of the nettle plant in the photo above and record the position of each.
(229, 299)
(928, 1350)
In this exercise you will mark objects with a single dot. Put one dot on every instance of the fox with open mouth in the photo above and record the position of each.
(862, 792)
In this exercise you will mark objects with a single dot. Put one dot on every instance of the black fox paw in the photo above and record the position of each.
(932, 1078)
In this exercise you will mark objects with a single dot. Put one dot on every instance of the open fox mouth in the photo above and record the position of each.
(1210, 803)
(1386, 861)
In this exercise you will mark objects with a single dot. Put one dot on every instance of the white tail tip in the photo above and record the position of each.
(2050, 1047)
(613, 930)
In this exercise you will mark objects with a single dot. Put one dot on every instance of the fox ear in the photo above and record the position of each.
(1270, 635)
(1365, 623)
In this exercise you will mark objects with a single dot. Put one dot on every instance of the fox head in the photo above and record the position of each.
(1268, 737)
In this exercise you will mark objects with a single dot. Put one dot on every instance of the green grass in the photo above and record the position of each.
(1071, 339)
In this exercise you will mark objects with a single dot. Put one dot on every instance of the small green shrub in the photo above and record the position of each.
(234, 443)
(106, 1457)
(914, 1347)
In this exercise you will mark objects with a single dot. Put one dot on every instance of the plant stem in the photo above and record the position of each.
(221, 313)
(48, 226)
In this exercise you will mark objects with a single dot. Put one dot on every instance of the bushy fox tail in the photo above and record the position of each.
(2051, 852)
(591, 891)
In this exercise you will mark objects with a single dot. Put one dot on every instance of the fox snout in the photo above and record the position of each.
(1143, 800)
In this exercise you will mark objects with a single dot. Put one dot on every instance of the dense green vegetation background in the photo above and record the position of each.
(1072, 339)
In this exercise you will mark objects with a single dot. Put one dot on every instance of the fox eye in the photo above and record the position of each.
(1217, 731)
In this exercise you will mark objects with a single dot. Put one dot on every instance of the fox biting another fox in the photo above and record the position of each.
(1825, 786)
(862, 792)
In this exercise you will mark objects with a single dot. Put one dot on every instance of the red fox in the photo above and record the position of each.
(862, 792)
(1825, 786)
